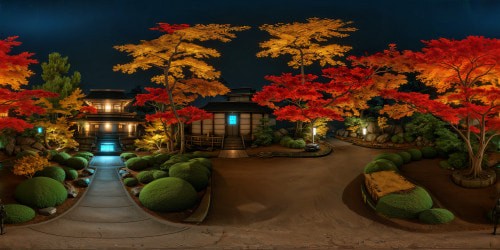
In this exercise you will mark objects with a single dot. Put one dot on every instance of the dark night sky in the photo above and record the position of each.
(86, 30)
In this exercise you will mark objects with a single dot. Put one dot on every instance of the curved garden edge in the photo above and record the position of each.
(374, 145)
(325, 150)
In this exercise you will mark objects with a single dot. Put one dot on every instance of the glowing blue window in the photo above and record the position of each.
(107, 147)
(39, 130)
(233, 120)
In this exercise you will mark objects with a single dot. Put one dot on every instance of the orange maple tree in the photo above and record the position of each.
(14, 72)
(466, 76)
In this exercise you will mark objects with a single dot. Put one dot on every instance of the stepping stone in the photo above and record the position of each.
(47, 211)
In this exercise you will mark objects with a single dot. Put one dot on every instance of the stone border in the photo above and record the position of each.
(303, 154)
(460, 181)
(201, 212)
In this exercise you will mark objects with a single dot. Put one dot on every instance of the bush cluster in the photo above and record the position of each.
(168, 194)
(136, 163)
(404, 205)
(71, 173)
(145, 177)
(17, 213)
(288, 142)
(130, 182)
(127, 155)
(54, 172)
(41, 192)
(61, 157)
(435, 216)
(193, 172)
(77, 162)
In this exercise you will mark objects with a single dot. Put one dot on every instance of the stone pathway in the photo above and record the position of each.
(233, 153)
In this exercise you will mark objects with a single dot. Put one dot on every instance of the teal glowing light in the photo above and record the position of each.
(107, 147)
(233, 120)
(39, 130)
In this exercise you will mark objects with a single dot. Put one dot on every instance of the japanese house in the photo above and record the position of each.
(234, 121)
(113, 128)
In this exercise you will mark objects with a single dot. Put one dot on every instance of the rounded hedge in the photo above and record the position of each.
(168, 194)
(299, 143)
(380, 165)
(56, 173)
(84, 154)
(61, 157)
(285, 140)
(71, 174)
(127, 156)
(26, 153)
(41, 192)
(408, 138)
(397, 159)
(157, 174)
(405, 155)
(397, 139)
(435, 216)
(404, 205)
(136, 163)
(17, 213)
(77, 162)
(415, 153)
(458, 160)
(130, 182)
(172, 161)
(429, 152)
(203, 161)
(201, 154)
(149, 159)
(145, 177)
(161, 158)
(191, 172)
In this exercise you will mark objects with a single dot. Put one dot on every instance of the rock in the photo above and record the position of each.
(136, 191)
(372, 128)
(383, 138)
(283, 131)
(122, 171)
(398, 129)
(345, 134)
(340, 132)
(38, 146)
(370, 137)
(88, 171)
(83, 182)
(353, 134)
(21, 140)
(47, 211)
(72, 191)
(126, 175)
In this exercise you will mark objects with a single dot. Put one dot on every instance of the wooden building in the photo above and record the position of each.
(113, 128)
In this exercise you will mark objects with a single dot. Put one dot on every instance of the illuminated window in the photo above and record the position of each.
(107, 107)
(116, 108)
(130, 128)
(96, 126)
(233, 120)
(107, 126)
(107, 147)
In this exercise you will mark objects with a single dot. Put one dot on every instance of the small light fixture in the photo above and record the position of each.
(39, 130)
(314, 133)
(364, 131)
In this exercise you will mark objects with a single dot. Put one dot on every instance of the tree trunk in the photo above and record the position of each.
(181, 128)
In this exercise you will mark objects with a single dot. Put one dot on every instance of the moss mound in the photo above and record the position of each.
(168, 194)
(17, 213)
(26, 153)
(405, 155)
(380, 165)
(130, 182)
(85, 154)
(192, 172)
(395, 158)
(436, 216)
(299, 143)
(157, 174)
(145, 177)
(174, 160)
(201, 154)
(397, 139)
(127, 156)
(415, 153)
(77, 162)
(71, 174)
(56, 173)
(203, 161)
(161, 158)
(61, 157)
(149, 159)
(429, 152)
(404, 205)
(136, 163)
(41, 192)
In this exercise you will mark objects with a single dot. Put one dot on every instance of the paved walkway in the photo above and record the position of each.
(105, 212)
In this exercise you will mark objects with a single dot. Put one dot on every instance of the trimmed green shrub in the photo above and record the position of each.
(136, 163)
(168, 194)
(84, 154)
(397, 159)
(145, 177)
(429, 152)
(201, 154)
(51, 153)
(445, 165)
(71, 174)
(77, 162)
(380, 165)
(408, 138)
(415, 153)
(26, 153)
(127, 156)
(17, 213)
(299, 143)
(285, 140)
(435, 216)
(61, 157)
(56, 173)
(458, 160)
(130, 182)
(161, 158)
(149, 159)
(203, 161)
(397, 139)
(404, 205)
(41, 192)
(172, 161)
(195, 174)
(157, 174)
(405, 155)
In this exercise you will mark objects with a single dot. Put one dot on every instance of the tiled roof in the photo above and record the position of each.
(107, 94)
(241, 91)
(236, 107)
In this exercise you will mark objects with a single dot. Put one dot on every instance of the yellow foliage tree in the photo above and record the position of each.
(58, 134)
(180, 58)
(29, 165)
(154, 138)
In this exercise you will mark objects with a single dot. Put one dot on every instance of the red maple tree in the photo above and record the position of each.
(15, 101)
(466, 75)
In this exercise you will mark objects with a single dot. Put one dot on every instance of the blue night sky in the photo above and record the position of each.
(85, 31)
